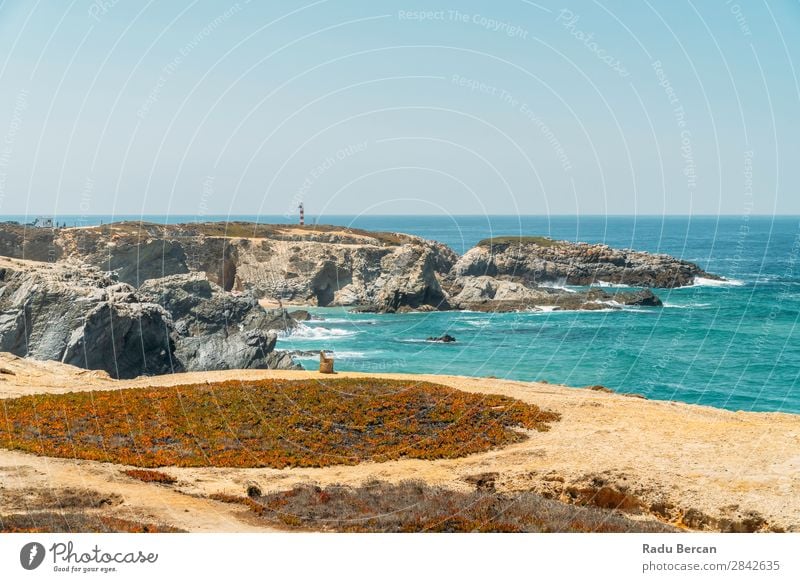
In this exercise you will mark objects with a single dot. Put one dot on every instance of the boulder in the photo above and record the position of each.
(216, 330)
(124, 339)
(75, 314)
(444, 339)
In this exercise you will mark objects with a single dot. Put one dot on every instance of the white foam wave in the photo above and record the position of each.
(477, 322)
(547, 309)
(561, 284)
(608, 284)
(703, 282)
(687, 306)
(306, 332)
(349, 355)
(346, 355)
(344, 320)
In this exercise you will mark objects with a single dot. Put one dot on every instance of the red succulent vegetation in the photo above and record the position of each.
(267, 423)
(150, 476)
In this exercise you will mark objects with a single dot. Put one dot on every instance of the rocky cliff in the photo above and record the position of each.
(383, 272)
(215, 330)
(319, 265)
(537, 260)
(73, 313)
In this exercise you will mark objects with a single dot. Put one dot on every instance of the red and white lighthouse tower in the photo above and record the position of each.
(302, 214)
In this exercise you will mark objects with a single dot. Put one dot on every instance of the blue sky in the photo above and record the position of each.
(420, 107)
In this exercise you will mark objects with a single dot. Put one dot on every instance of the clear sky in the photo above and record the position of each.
(459, 107)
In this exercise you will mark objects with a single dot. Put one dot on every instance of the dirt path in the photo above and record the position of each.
(699, 466)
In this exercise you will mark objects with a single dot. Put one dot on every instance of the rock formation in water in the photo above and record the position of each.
(378, 272)
(494, 294)
(537, 260)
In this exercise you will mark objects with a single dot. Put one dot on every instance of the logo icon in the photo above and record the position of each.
(31, 555)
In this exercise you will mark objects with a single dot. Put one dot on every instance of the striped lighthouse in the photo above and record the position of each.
(302, 214)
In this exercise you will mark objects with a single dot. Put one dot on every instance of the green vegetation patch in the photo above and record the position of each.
(268, 423)
(541, 241)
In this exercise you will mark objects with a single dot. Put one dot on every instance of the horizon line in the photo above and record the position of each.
(200, 218)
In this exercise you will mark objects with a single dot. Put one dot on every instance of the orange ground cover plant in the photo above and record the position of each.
(268, 423)
(150, 476)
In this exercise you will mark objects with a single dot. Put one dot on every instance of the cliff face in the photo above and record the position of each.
(383, 272)
(75, 314)
(216, 330)
(310, 266)
(536, 260)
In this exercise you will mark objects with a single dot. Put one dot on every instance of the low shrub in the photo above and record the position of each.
(413, 506)
(77, 522)
(150, 476)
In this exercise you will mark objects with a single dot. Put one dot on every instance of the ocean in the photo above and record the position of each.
(734, 345)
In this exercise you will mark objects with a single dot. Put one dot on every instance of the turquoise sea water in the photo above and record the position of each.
(734, 346)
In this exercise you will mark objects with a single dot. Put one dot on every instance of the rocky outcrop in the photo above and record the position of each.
(502, 295)
(319, 265)
(538, 260)
(370, 271)
(216, 330)
(443, 339)
(75, 314)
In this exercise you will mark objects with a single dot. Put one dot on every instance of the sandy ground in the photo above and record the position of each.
(690, 465)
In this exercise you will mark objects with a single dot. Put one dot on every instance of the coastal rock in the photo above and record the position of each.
(538, 260)
(409, 279)
(492, 294)
(300, 315)
(216, 330)
(75, 314)
(370, 271)
(124, 339)
(444, 339)
(319, 265)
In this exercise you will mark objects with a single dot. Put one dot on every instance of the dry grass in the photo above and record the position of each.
(416, 507)
(268, 423)
(132, 231)
(541, 241)
(76, 522)
(45, 498)
(66, 510)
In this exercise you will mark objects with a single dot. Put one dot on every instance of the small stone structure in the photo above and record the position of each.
(325, 363)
